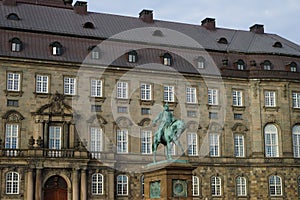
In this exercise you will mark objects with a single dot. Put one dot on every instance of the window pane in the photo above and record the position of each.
(146, 142)
(122, 141)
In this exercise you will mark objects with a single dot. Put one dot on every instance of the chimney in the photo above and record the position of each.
(209, 23)
(9, 2)
(80, 7)
(257, 28)
(146, 16)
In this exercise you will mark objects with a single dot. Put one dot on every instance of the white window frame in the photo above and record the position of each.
(95, 54)
(16, 47)
(42, 84)
(191, 95)
(132, 57)
(196, 186)
(12, 136)
(169, 93)
(13, 81)
(296, 141)
(122, 141)
(271, 141)
(270, 98)
(96, 88)
(237, 98)
(239, 145)
(146, 142)
(167, 61)
(122, 185)
(216, 186)
(97, 184)
(96, 141)
(214, 144)
(146, 92)
(70, 85)
(241, 186)
(192, 142)
(122, 90)
(12, 183)
(56, 51)
(213, 96)
(275, 186)
(55, 141)
(296, 99)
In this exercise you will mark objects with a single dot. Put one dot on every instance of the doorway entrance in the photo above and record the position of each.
(56, 188)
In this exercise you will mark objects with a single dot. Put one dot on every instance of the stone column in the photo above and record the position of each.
(83, 188)
(46, 130)
(38, 184)
(30, 185)
(111, 185)
(75, 185)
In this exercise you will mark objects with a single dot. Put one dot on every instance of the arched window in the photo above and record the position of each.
(132, 56)
(293, 67)
(122, 185)
(223, 40)
(56, 48)
(216, 186)
(167, 59)
(200, 62)
(241, 186)
(97, 184)
(267, 65)
(275, 186)
(89, 25)
(271, 141)
(277, 45)
(16, 44)
(240, 64)
(13, 16)
(296, 141)
(12, 183)
(196, 186)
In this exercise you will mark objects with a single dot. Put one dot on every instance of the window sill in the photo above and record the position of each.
(42, 95)
(14, 93)
(296, 109)
(71, 97)
(238, 108)
(123, 101)
(275, 108)
(172, 104)
(213, 107)
(192, 105)
(97, 99)
(147, 102)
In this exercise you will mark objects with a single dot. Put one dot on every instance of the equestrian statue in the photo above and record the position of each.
(168, 132)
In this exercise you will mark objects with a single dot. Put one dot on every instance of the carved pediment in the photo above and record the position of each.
(193, 126)
(239, 128)
(215, 127)
(99, 119)
(145, 122)
(13, 116)
(123, 122)
(57, 106)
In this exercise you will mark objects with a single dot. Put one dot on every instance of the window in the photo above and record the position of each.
(275, 186)
(122, 185)
(89, 25)
(145, 111)
(191, 113)
(223, 40)
(296, 141)
(212, 97)
(96, 108)
(94, 52)
(214, 145)
(238, 116)
(13, 81)
(56, 48)
(213, 115)
(122, 109)
(172, 150)
(241, 186)
(146, 92)
(293, 67)
(271, 141)
(237, 98)
(270, 99)
(13, 16)
(168, 93)
(215, 183)
(122, 90)
(167, 59)
(192, 143)
(132, 56)
(97, 184)
(96, 88)
(69, 86)
(95, 141)
(122, 141)
(13, 103)
(12, 183)
(41, 83)
(200, 61)
(12, 136)
(266, 65)
(55, 141)
(146, 142)
(143, 185)
(16, 44)
(196, 186)
(296, 99)
(191, 95)
(239, 149)
(240, 65)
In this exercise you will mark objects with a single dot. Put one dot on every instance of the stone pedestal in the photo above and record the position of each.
(168, 180)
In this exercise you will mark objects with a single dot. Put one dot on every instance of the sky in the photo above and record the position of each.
(281, 17)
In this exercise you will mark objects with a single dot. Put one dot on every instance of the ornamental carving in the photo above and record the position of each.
(193, 126)
(13, 116)
(145, 122)
(239, 128)
(123, 122)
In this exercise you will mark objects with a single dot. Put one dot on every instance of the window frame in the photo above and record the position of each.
(169, 93)
(195, 186)
(296, 99)
(146, 91)
(214, 145)
(239, 146)
(13, 84)
(213, 96)
(70, 85)
(237, 98)
(42, 86)
(192, 144)
(96, 139)
(275, 186)
(241, 186)
(122, 141)
(296, 141)
(12, 186)
(191, 95)
(270, 98)
(132, 56)
(122, 88)
(216, 186)
(96, 87)
(12, 133)
(122, 185)
(271, 144)
(97, 184)
(146, 142)
(16, 44)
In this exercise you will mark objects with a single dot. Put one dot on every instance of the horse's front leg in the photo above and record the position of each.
(168, 151)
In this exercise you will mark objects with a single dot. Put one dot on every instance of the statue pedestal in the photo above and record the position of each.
(167, 180)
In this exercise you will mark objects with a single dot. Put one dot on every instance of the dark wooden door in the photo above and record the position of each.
(55, 189)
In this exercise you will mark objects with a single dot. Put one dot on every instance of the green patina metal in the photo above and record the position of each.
(155, 190)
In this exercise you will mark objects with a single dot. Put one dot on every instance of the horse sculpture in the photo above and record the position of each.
(170, 134)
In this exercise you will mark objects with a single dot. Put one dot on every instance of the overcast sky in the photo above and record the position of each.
(281, 17)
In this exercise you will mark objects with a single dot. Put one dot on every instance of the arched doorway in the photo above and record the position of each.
(56, 188)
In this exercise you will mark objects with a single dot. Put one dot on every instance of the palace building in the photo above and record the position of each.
(79, 91)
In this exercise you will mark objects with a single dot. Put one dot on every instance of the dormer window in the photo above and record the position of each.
(167, 59)
(94, 52)
(132, 56)
(16, 44)
(223, 40)
(277, 45)
(200, 62)
(13, 16)
(56, 48)
(158, 33)
(240, 65)
(267, 65)
(89, 25)
(293, 67)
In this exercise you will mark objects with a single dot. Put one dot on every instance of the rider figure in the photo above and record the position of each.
(165, 118)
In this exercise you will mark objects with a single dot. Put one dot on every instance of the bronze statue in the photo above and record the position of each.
(169, 131)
